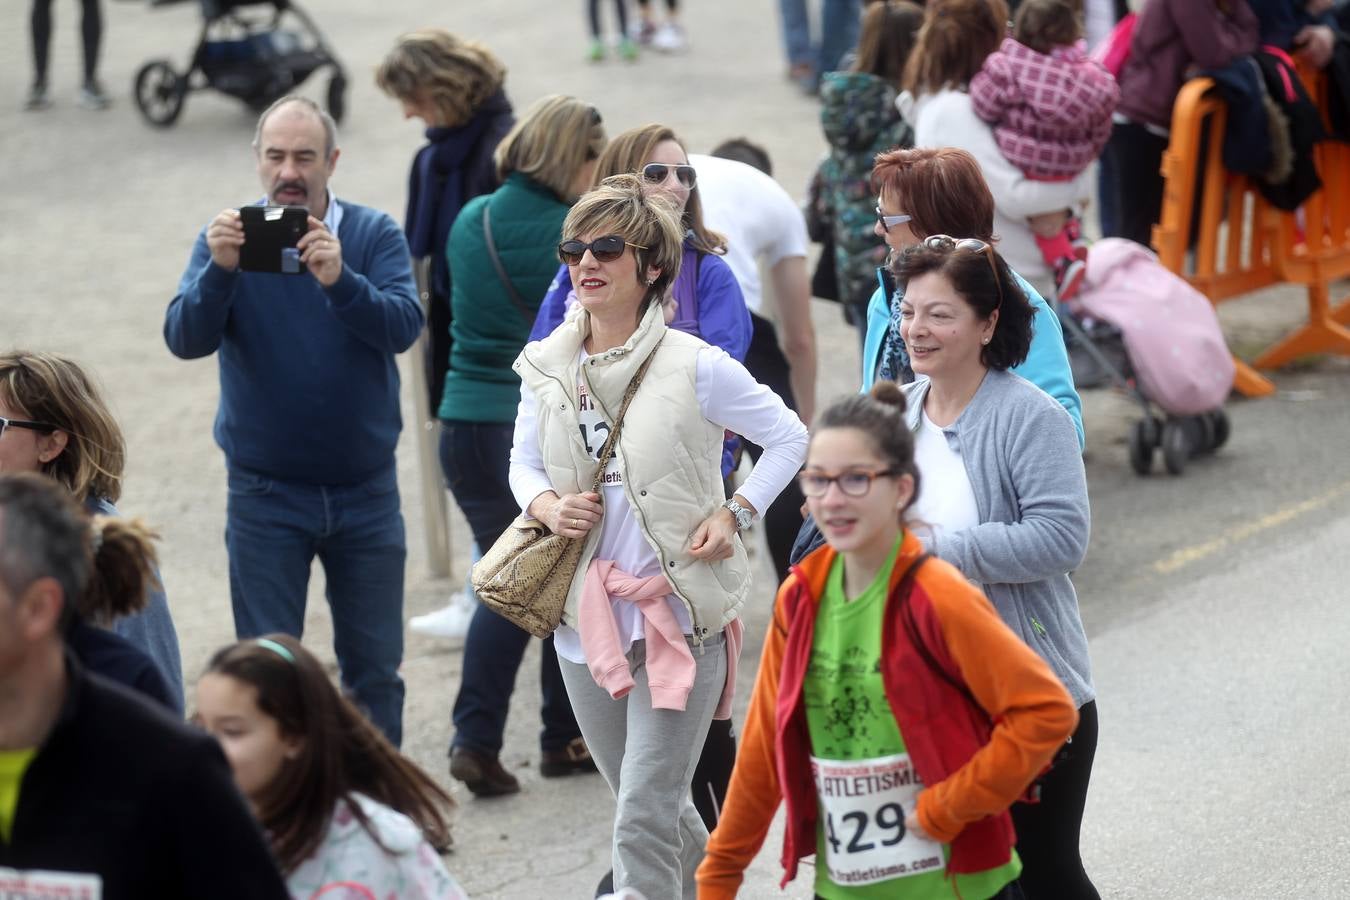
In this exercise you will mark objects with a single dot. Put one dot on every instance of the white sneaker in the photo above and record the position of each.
(669, 38)
(450, 622)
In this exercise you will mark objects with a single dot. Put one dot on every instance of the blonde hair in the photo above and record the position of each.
(54, 390)
(956, 38)
(629, 152)
(618, 206)
(455, 75)
(555, 137)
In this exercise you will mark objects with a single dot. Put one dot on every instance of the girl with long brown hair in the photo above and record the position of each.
(340, 804)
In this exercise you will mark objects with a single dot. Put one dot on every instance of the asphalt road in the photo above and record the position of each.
(1215, 602)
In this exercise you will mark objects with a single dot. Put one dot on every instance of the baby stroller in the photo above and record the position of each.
(1143, 328)
(243, 52)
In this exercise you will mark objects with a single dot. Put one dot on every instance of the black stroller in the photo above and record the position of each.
(243, 51)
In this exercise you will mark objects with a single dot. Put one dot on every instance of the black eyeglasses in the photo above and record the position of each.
(853, 484)
(947, 243)
(657, 173)
(605, 249)
(23, 423)
(888, 222)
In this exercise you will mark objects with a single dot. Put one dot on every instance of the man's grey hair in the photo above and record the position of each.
(43, 533)
(330, 133)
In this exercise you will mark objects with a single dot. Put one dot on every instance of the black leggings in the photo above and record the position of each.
(620, 6)
(91, 29)
(670, 4)
(713, 772)
(1047, 832)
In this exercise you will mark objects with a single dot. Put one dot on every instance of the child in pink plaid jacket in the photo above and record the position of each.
(1050, 107)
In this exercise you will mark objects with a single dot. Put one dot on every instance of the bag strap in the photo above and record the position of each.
(497, 264)
(607, 450)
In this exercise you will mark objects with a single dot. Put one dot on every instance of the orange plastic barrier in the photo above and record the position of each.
(1242, 243)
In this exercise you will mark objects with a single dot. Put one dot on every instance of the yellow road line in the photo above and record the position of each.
(1187, 555)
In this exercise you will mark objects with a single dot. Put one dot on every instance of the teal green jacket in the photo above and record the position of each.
(488, 328)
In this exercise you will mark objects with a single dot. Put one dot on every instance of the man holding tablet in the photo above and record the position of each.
(309, 399)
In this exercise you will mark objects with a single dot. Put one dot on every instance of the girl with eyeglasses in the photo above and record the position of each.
(54, 421)
(894, 712)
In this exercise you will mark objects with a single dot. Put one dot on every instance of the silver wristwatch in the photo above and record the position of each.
(743, 516)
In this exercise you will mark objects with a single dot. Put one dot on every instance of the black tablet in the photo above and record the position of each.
(270, 236)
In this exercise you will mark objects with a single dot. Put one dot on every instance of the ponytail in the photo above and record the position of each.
(123, 572)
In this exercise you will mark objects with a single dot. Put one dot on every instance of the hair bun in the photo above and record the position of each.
(889, 393)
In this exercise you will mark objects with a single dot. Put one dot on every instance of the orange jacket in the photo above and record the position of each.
(977, 747)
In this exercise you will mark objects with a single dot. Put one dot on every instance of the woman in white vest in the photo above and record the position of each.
(651, 630)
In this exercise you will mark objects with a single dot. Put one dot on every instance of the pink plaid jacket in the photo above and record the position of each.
(1051, 113)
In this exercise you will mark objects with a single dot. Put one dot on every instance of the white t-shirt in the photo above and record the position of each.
(761, 221)
(946, 502)
(728, 396)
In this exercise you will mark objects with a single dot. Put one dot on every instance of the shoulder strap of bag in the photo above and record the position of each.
(497, 264)
(607, 451)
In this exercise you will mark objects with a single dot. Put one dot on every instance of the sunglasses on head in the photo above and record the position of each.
(949, 244)
(605, 249)
(889, 222)
(657, 173)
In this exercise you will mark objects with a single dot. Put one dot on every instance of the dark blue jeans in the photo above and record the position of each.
(476, 460)
(273, 531)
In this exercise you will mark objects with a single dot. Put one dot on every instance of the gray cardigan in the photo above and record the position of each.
(1021, 453)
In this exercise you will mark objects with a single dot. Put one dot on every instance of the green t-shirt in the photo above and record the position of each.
(13, 763)
(862, 807)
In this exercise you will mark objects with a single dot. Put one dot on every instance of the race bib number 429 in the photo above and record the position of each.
(35, 884)
(862, 809)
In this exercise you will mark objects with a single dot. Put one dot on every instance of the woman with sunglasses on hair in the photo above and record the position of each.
(502, 255)
(650, 633)
(53, 421)
(1004, 499)
(894, 712)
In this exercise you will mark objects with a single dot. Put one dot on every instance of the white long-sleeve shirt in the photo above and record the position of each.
(729, 397)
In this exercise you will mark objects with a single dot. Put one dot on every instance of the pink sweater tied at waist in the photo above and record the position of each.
(670, 664)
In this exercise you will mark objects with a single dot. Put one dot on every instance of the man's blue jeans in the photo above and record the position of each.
(840, 23)
(273, 531)
(476, 460)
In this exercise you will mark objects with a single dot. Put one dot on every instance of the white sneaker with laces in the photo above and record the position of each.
(450, 622)
(669, 38)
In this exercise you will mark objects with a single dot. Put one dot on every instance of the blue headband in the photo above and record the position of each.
(279, 649)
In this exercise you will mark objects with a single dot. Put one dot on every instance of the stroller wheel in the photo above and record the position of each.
(337, 96)
(1176, 446)
(160, 92)
(1221, 427)
(1142, 442)
(1202, 434)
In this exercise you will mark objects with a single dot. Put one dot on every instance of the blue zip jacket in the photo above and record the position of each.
(309, 390)
(1046, 365)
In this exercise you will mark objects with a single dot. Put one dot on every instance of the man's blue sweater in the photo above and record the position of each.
(309, 390)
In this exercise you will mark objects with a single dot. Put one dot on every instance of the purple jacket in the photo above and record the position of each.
(1173, 37)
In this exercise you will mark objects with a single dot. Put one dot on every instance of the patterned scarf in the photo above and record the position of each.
(894, 360)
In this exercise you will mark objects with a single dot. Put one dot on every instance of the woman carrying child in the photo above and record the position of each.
(344, 810)
(889, 684)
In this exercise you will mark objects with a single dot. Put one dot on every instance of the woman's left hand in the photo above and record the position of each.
(913, 827)
(715, 537)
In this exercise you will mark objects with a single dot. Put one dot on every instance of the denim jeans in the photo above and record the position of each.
(840, 23)
(475, 457)
(273, 531)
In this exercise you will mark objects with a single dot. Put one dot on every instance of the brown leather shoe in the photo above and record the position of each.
(573, 759)
(482, 773)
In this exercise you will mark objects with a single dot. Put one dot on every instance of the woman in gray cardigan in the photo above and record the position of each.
(1003, 497)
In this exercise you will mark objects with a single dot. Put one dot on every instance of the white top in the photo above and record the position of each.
(946, 502)
(761, 221)
(349, 862)
(947, 119)
(728, 396)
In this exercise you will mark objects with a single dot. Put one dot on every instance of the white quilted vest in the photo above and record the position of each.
(670, 455)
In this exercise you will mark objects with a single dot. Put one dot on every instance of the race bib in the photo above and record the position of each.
(862, 810)
(36, 884)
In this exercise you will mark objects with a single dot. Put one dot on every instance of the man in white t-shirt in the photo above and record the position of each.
(763, 224)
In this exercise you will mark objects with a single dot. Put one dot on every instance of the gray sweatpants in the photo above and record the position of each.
(648, 756)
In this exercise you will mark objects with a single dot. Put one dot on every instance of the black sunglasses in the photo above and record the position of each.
(23, 423)
(948, 244)
(605, 249)
(657, 173)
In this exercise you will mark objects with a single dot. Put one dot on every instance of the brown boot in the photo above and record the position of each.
(482, 773)
(573, 759)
